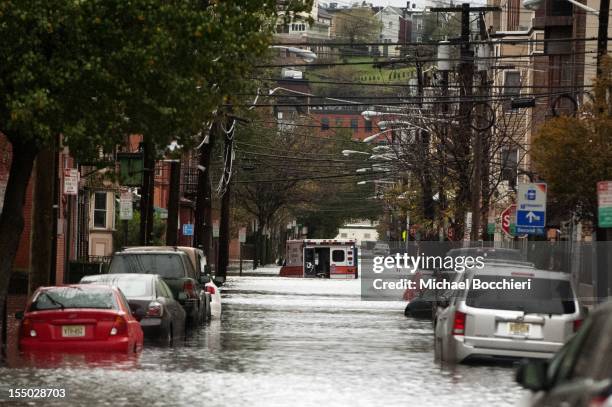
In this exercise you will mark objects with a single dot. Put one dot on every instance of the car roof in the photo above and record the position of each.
(116, 276)
(78, 286)
(151, 249)
(517, 270)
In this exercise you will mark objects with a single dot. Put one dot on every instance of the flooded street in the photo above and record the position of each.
(280, 342)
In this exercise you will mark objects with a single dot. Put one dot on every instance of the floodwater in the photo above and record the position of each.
(280, 342)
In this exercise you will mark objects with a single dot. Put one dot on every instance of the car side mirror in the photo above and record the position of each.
(19, 315)
(204, 279)
(532, 375)
(207, 270)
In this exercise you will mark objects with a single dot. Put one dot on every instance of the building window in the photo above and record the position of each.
(354, 125)
(338, 122)
(99, 211)
(366, 235)
(343, 235)
(509, 159)
(325, 123)
(390, 24)
(368, 125)
(338, 256)
(512, 88)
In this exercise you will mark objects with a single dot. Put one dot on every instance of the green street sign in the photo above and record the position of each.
(491, 228)
(605, 217)
(131, 169)
(604, 203)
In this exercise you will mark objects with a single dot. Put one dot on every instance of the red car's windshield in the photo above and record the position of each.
(74, 297)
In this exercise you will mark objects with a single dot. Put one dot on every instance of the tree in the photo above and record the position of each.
(573, 153)
(357, 25)
(95, 71)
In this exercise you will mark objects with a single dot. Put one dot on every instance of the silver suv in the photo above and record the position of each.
(482, 317)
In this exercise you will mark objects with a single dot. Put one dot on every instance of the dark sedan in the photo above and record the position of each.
(161, 317)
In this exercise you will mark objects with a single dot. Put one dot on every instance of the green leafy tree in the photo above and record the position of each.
(573, 153)
(94, 71)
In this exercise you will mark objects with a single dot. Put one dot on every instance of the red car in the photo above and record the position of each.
(79, 318)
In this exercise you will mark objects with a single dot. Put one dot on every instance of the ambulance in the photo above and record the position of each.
(322, 258)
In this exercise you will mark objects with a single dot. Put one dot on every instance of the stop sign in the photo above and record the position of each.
(506, 218)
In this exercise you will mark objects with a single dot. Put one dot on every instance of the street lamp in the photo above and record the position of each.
(533, 5)
(376, 181)
(346, 153)
(374, 136)
(306, 54)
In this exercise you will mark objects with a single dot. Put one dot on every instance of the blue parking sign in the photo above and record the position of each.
(188, 229)
(531, 209)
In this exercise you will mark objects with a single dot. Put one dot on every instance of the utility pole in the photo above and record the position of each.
(425, 173)
(224, 223)
(603, 283)
(484, 140)
(173, 203)
(203, 213)
(146, 198)
(602, 33)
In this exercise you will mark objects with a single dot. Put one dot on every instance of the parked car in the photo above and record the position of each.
(213, 296)
(422, 302)
(507, 323)
(381, 249)
(161, 317)
(580, 374)
(175, 267)
(80, 317)
(490, 254)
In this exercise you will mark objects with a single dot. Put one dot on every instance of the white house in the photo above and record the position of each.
(359, 231)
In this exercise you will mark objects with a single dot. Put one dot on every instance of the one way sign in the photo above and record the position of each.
(531, 208)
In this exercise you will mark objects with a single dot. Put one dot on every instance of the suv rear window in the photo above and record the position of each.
(546, 296)
(166, 265)
(70, 297)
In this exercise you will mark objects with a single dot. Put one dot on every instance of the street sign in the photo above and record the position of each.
(215, 228)
(125, 206)
(468, 227)
(188, 229)
(531, 208)
(71, 181)
(604, 204)
(131, 168)
(506, 219)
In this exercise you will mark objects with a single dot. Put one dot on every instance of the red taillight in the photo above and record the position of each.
(577, 324)
(119, 326)
(459, 323)
(155, 310)
(598, 401)
(189, 288)
(211, 289)
(26, 328)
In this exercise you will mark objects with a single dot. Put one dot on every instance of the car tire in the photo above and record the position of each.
(169, 341)
(208, 308)
(438, 350)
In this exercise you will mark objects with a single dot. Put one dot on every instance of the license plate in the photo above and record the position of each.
(519, 328)
(73, 331)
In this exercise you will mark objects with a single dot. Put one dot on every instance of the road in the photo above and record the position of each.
(280, 342)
